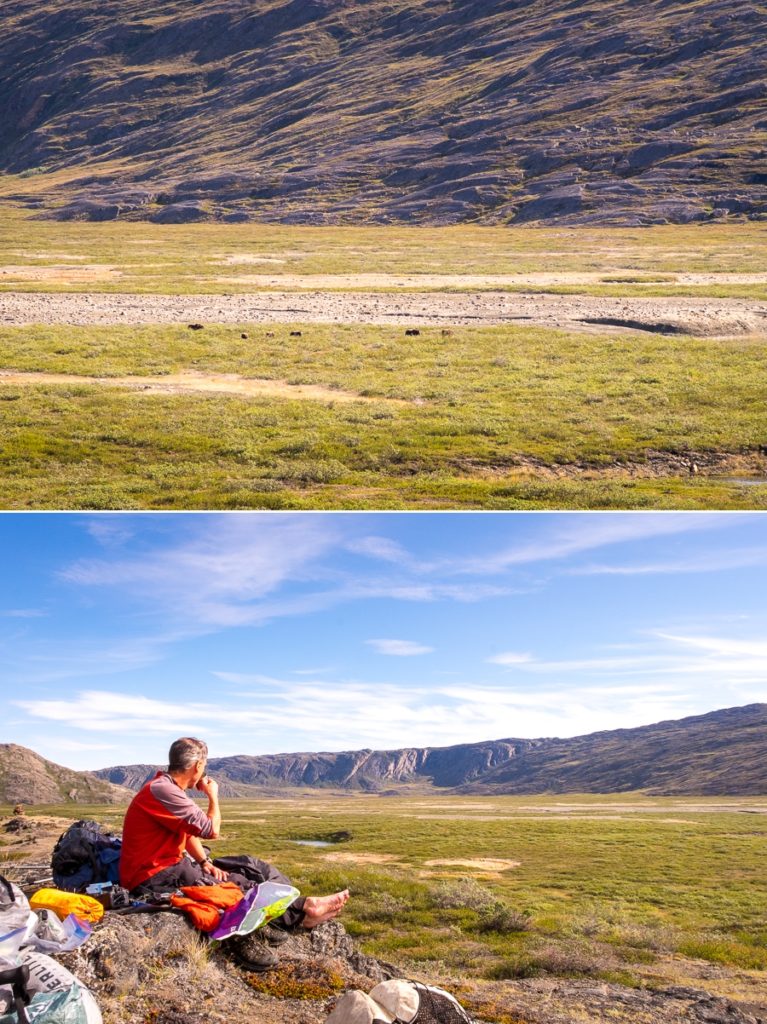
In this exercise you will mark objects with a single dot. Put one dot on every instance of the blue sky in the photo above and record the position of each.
(267, 632)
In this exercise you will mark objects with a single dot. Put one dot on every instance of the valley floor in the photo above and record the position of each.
(533, 910)
(261, 366)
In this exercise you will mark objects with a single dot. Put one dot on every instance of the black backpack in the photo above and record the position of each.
(86, 853)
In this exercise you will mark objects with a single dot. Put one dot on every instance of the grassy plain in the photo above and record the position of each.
(139, 257)
(482, 418)
(625, 888)
(504, 417)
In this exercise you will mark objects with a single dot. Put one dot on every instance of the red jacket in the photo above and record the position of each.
(157, 823)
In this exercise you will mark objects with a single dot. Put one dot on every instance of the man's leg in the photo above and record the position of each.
(186, 872)
(249, 871)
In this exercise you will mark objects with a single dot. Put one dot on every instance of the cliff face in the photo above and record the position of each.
(723, 752)
(368, 770)
(27, 778)
(428, 111)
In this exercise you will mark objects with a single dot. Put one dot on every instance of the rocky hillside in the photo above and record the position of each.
(723, 752)
(422, 111)
(27, 778)
(720, 753)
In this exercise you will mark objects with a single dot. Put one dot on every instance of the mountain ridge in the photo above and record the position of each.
(721, 752)
(428, 112)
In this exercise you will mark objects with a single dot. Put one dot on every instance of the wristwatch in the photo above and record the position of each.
(202, 863)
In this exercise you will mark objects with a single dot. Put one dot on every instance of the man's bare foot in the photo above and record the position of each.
(323, 908)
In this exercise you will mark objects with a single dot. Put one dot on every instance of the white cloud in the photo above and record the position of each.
(720, 645)
(399, 648)
(23, 613)
(510, 658)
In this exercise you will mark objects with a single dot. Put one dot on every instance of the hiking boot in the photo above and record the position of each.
(251, 952)
(274, 935)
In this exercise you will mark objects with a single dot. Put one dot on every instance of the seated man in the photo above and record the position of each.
(162, 849)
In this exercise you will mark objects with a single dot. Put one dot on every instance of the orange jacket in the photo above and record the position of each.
(204, 904)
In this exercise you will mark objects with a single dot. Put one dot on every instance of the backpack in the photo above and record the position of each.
(399, 1002)
(86, 853)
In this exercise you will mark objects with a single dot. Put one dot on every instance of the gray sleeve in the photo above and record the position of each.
(178, 811)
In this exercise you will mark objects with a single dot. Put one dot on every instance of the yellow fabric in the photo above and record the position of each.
(64, 903)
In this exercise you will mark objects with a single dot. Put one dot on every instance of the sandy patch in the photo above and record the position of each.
(482, 864)
(66, 256)
(536, 279)
(462, 817)
(361, 858)
(62, 273)
(455, 806)
(238, 259)
(192, 381)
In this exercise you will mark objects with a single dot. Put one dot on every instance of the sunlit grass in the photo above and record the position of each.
(182, 259)
(443, 421)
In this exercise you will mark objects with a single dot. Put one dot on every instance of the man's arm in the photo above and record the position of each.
(210, 788)
(196, 850)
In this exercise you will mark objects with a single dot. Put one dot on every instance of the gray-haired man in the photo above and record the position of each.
(162, 847)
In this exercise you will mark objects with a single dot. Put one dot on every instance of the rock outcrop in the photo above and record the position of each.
(427, 112)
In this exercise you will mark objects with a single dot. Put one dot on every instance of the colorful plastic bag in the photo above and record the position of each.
(259, 906)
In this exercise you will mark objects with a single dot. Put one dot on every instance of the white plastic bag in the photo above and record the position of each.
(17, 921)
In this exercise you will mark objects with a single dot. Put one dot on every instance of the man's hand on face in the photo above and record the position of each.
(208, 786)
(217, 873)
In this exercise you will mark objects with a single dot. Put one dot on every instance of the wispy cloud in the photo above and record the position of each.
(709, 561)
(352, 714)
(510, 658)
(23, 613)
(383, 548)
(578, 533)
(110, 531)
(53, 662)
(399, 648)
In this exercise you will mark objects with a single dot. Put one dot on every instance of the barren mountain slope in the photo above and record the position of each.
(431, 111)
(26, 777)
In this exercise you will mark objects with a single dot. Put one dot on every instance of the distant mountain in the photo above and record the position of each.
(27, 778)
(367, 770)
(723, 752)
(376, 111)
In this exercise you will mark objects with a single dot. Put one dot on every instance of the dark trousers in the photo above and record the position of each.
(246, 872)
